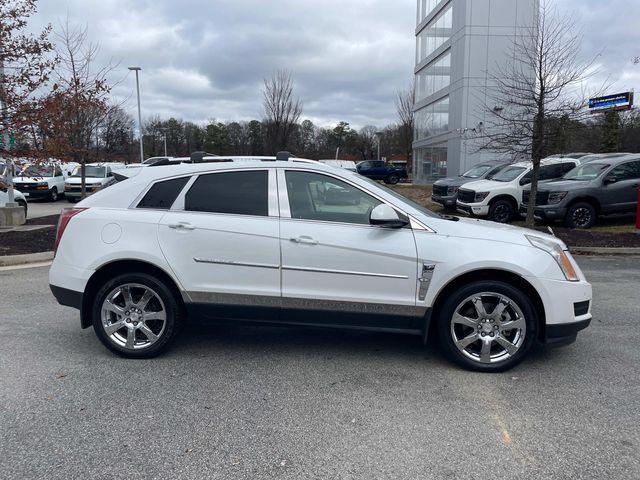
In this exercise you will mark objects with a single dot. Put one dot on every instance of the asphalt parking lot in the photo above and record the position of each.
(290, 403)
(41, 208)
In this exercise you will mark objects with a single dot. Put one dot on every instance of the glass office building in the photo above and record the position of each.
(457, 43)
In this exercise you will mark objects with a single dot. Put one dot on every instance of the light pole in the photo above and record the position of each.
(137, 69)
(378, 135)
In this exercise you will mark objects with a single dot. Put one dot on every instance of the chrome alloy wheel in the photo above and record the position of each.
(488, 327)
(133, 316)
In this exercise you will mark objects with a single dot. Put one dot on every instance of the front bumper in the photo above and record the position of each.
(33, 193)
(547, 212)
(475, 209)
(445, 201)
(565, 333)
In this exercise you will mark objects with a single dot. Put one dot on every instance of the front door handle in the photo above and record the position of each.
(182, 226)
(304, 240)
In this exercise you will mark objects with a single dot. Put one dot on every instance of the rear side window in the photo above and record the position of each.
(238, 193)
(626, 171)
(162, 194)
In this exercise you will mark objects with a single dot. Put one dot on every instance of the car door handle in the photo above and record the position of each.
(304, 240)
(182, 226)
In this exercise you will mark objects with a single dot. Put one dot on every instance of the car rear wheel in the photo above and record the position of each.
(501, 211)
(392, 179)
(53, 194)
(487, 326)
(136, 315)
(581, 215)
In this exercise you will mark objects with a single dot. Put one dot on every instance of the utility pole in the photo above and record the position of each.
(137, 69)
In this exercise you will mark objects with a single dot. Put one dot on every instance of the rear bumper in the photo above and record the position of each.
(66, 297)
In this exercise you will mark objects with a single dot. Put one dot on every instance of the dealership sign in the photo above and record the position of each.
(619, 101)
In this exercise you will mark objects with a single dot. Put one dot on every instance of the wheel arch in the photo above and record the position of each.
(505, 196)
(487, 274)
(118, 267)
(586, 199)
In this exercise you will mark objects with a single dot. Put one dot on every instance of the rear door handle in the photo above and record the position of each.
(304, 240)
(182, 226)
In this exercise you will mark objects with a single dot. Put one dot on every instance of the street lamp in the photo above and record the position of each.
(137, 69)
(378, 137)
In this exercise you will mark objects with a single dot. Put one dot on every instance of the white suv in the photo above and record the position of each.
(298, 242)
(498, 199)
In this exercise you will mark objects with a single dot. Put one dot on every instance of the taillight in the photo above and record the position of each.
(65, 216)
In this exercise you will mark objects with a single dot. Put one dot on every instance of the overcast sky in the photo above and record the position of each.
(205, 59)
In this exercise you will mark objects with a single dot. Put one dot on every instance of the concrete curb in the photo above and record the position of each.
(12, 260)
(605, 250)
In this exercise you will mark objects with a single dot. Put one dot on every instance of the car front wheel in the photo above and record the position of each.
(487, 326)
(53, 194)
(23, 204)
(392, 179)
(501, 211)
(136, 315)
(581, 215)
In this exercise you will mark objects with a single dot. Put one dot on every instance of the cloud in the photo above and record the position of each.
(204, 59)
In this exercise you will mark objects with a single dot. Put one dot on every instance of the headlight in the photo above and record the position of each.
(556, 197)
(480, 196)
(452, 190)
(560, 256)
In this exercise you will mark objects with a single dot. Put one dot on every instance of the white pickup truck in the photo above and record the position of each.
(499, 198)
(97, 177)
(40, 181)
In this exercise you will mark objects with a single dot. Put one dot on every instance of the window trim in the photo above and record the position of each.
(285, 208)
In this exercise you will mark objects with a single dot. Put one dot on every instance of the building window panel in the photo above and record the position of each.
(435, 34)
(432, 120)
(430, 163)
(433, 77)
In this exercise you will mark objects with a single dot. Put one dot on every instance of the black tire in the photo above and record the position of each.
(444, 319)
(392, 179)
(581, 215)
(23, 204)
(501, 211)
(173, 310)
(53, 194)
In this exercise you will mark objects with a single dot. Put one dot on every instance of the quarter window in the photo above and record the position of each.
(162, 194)
(238, 193)
(318, 197)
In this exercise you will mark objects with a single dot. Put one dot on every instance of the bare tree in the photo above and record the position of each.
(282, 110)
(404, 107)
(541, 82)
(79, 102)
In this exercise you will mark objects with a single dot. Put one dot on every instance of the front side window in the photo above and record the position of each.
(162, 194)
(585, 172)
(626, 171)
(237, 193)
(313, 196)
(477, 171)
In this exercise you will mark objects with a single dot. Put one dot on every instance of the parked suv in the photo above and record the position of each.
(298, 242)
(40, 181)
(600, 187)
(499, 198)
(380, 170)
(445, 191)
(97, 177)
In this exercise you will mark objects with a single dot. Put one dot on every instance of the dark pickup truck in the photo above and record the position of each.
(380, 170)
(600, 187)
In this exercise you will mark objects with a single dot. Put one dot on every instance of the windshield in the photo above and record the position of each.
(476, 172)
(91, 171)
(587, 171)
(508, 174)
(36, 171)
(402, 198)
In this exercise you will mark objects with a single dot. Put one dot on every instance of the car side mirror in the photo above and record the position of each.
(610, 179)
(386, 217)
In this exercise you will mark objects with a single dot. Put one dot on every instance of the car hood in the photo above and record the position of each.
(486, 185)
(78, 180)
(454, 181)
(491, 231)
(30, 179)
(563, 185)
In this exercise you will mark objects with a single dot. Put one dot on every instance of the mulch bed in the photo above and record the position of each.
(589, 238)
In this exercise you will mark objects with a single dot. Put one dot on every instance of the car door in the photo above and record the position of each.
(621, 195)
(336, 267)
(221, 240)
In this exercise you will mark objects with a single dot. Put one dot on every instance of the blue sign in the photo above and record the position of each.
(619, 101)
